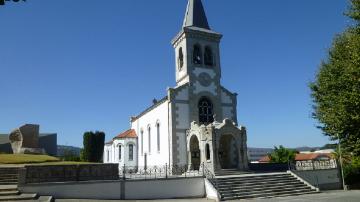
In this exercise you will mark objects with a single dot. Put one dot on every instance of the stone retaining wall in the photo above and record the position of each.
(67, 173)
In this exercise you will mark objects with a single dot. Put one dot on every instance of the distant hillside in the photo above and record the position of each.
(61, 149)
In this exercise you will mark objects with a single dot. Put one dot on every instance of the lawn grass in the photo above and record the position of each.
(26, 159)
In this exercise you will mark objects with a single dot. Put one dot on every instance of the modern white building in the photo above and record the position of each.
(196, 122)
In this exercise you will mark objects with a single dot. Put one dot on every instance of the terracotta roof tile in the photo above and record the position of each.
(264, 159)
(311, 156)
(302, 157)
(127, 134)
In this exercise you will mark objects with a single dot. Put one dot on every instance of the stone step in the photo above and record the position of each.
(18, 197)
(269, 195)
(262, 191)
(227, 178)
(12, 192)
(8, 180)
(293, 185)
(46, 199)
(3, 178)
(256, 177)
(9, 183)
(251, 182)
(8, 188)
(8, 177)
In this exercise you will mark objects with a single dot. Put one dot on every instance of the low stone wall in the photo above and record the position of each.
(328, 179)
(120, 190)
(66, 173)
(268, 167)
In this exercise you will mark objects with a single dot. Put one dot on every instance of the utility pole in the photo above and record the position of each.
(341, 164)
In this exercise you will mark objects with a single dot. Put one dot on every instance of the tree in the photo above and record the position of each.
(282, 155)
(336, 89)
(93, 146)
(2, 2)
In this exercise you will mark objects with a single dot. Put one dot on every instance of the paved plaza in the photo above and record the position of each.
(327, 196)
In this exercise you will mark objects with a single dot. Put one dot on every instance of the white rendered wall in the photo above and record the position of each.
(154, 157)
(107, 153)
(165, 189)
(115, 190)
(227, 112)
(225, 98)
(125, 150)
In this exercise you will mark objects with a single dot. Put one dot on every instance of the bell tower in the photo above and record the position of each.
(197, 52)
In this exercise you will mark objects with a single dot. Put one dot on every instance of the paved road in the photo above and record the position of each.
(329, 196)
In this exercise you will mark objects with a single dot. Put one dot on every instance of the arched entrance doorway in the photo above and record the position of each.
(195, 153)
(228, 152)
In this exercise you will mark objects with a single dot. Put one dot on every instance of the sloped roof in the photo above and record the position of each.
(264, 159)
(127, 134)
(311, 156)
(195, 15)
(303, 157)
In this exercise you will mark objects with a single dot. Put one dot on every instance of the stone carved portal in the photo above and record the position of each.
(195, 152)
(228, 152)
(217, 146)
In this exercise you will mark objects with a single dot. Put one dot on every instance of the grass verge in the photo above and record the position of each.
(26, 159)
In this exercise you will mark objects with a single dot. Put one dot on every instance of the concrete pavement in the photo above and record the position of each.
(327, 196)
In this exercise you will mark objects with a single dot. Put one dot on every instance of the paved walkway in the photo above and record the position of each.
(328, 196)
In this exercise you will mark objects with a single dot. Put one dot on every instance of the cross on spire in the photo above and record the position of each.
(195, 15)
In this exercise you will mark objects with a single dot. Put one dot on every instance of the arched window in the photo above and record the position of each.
(142, 142)
(208, 57)
(197, 55)
(207, 152)
(131, 152)
(181, 58)
(119, 152)
(206, 112)
(158, 136)
(149, 139)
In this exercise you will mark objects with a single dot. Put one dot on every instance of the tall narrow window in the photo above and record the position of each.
(207, 152)
(149, 139)
(142, 142)
(208, 57)
(120, 152)
(158, 136)
(197, 55)
(108, 156)
(181, 58)
(206, 112)
(131, 152)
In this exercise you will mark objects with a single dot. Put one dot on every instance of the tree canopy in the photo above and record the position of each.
(93, 146)
(282, 155)
(336, 89)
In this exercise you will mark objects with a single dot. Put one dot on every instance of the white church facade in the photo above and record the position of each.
(196, 123)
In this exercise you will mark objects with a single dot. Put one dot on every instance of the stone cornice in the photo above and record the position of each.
(196, 33)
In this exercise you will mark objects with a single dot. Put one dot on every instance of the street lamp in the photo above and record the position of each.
(341, 164)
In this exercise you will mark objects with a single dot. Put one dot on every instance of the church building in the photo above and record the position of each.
(196, 122)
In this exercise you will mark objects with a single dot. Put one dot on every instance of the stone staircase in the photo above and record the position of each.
(229, 172)
(9, 191)
(9, 176)
(248, 186)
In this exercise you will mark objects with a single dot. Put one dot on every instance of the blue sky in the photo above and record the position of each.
(73, 66)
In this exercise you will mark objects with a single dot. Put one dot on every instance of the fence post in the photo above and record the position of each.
(203, 169)
(124, 178)
(166, 171)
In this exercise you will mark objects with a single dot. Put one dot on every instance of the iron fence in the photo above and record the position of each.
(160, 172)
(313, 165)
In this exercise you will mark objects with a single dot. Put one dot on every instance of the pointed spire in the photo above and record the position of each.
(195, 15)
